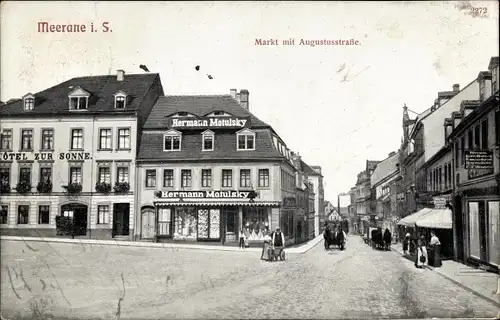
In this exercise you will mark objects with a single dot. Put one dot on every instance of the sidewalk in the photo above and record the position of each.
(300, 249)
(481, 283)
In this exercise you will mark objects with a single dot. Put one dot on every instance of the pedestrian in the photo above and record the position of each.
(387, 239)
(421, 259)
(265, 248)
(435, 244)
(242, 239)
(406, 243)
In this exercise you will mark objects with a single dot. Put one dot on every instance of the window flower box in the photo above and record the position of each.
(73, 188)
(44, 187)
(103, 187)
(23, 187)
(121, 187)
(4, 187)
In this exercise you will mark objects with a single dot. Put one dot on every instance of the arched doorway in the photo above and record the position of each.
(147, 222)
(78, 212)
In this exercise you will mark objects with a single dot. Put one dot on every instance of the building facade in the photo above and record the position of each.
(67, 156)
(475, 143)
(208, 168)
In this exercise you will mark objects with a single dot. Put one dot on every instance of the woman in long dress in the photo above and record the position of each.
(421, 256)
(265, 247)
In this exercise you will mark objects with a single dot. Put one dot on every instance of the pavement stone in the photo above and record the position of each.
(102, 282)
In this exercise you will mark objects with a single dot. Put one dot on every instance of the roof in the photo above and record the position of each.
(101, 89)
(308, 170)
(493, 63)
(371, 164)
(199, 106)
(384, 169)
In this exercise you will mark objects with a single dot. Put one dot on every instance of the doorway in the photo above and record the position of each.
(121, 219)
(459, 224)
(79, 214)
(148, 223)
(231, 224)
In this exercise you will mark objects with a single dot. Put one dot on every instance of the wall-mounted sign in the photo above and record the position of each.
(27, 156)
(289, 202)
(440, 202)
(205, 194)
(210, 122)
(479, 159)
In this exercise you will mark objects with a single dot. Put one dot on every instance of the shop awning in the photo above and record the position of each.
(410, 220)
(436, 219)
(218, 203)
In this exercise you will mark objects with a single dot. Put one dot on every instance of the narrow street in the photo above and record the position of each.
(40, 280)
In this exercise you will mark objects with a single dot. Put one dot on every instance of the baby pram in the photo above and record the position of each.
(276, 253)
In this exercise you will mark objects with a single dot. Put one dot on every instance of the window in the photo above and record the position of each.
(497, 126)
(185, 178)
(208, 142)
(245, 179)
(164, 221)
(75, 175)
(6, 139)
(470, 140)
(25, 175)
(494, 232)
(29, 104)
(484, 134)
(76, 139)
(168, 178)
(23, 214)
(45, 174)
(264, 178)
(78, 103)
(462, 149)
(47, 139)
(227, 178)
(5, 176)
(246, 141)
(172, 142)
(477, 137)
(474, 240)
(120, 102)
(26, 139)
(150, 178)
(124, 138)
(457, 154)
(206, 178)
(43, 214)
(122, 174)
(105, 175)
(255, 222)
(105, 139)
(440, 178)
(446, 176)
(102, 214)
(4, 214)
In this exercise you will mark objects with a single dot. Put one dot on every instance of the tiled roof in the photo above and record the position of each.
(308, 170)
(101, 88)
(151, 147)
(384, 169)
(198, 106)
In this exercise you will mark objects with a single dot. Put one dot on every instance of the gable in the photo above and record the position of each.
(79, 92)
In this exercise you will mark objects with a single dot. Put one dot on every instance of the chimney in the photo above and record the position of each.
(120, 75)
(244, 98)
(456, 87)
(233, 93)
(238, 97)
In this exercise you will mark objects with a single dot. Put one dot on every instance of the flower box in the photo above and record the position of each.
(103, 187)
(23, 187)
(73, 188)
(122, 187)
(44, 187)
(4, 187)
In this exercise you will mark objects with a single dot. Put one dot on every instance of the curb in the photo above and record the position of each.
(458, 283)
(298, 250)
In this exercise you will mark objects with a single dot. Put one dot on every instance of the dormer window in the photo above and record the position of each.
(208, 140)
(29, 102)
(245, 140)
(172, 141)
(120, 100)
(218, 113)
(79, 99)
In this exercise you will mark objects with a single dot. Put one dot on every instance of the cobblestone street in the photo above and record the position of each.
(89, 281)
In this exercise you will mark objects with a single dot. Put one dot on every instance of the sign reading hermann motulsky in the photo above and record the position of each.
(210, 122)
(479, 159)
(205, 194)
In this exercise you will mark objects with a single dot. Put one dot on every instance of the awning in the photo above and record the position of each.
(218, 203)
(436, 219)
(410, 220)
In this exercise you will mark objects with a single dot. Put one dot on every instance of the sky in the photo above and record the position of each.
(336, 105)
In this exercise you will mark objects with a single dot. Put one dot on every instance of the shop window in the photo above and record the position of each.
(164, 221)
(209, 223)
(43, 214)
(185, 223)
(474, 238)
(255, 222)
(494, 232)
(23, 214)
(4, 213)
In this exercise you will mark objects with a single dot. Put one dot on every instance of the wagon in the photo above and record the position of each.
(276, 253)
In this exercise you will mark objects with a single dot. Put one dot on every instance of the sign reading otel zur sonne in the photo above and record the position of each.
(205, 194)
(30, 156)
(209, 122)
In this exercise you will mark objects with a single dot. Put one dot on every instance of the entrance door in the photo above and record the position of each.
(148, 223)
(79, 214)
(459, 223)
(231, 226)
(121, 215)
